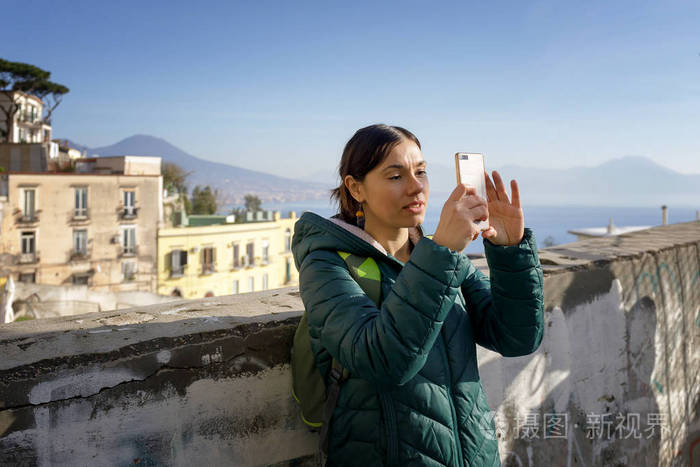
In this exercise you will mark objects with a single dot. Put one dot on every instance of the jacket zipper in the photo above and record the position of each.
(392, 448)
(458, 444)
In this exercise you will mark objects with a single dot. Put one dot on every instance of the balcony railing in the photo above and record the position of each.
(208, 268)
(131, 250)
(79, 255)
(27, 117)
(177, 271)
(28, 258)
(28, 218)
(81, 214)
(129, 213)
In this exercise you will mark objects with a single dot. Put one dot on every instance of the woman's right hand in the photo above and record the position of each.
(462, 210)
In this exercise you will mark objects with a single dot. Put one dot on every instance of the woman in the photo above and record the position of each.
(414, 396)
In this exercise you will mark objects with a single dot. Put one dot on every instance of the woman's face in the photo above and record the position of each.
(395, 193)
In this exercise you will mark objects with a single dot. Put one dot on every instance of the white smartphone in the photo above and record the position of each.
(470, 171)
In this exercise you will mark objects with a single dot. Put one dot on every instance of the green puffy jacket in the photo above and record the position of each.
(414, 396)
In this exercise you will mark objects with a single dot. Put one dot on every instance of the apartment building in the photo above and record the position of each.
(212, 256)
(96, 225)
(28, 124)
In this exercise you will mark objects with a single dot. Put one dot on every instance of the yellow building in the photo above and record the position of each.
(226, 258)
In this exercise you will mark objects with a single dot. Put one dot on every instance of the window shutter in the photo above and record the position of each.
(183, 257)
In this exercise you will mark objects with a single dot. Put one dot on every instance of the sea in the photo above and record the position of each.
(549, 223)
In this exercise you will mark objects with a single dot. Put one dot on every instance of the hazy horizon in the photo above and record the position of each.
(440, 163)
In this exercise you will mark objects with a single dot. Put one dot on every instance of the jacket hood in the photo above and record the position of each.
(313, 232)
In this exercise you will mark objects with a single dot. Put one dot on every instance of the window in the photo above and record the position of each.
(234, 289)
(288, 271)
(80, 242)
(129, 203)
(129, 271)
(28, 243)
(81, 279)
(287, 240)
(29, 207)
(251, 284)
(236, 256)
(250, 253)
(80, 202)
(129, 240)
(28, 278)
(265, 282)
(265, 252)
(178, 261)
(208, 260)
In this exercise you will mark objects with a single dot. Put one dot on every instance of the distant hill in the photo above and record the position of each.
(232, 182)
(627, 181)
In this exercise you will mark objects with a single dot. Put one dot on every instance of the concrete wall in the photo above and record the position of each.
(39, 301)
(207, 381)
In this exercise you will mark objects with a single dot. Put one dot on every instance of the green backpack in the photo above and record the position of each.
(316, 400)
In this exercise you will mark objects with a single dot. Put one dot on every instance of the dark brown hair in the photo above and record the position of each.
(367, 148)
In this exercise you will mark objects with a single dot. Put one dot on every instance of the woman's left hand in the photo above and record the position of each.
(506, 221)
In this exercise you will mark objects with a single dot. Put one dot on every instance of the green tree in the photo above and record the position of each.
(252, 203)
(204, 200)
(174, 178)
(29, 79)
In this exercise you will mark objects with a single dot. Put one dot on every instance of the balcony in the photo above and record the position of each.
(177, 272)
(79, 255)
(128, 213)
(28, 258)
(29, 118)
(81, 215)
(125, 252)
(28, 218)
(208, 268)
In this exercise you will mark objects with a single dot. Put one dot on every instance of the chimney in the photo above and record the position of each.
(611, 226)
(664, 215)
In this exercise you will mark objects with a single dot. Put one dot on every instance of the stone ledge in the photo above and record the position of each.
(26, 342)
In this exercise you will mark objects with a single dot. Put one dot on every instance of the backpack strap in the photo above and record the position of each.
(366, 273)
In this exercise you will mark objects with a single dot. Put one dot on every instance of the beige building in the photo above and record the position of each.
(198, 260)
(28, 124)
(95, 226)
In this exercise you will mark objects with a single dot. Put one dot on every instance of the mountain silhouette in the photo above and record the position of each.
(625, 181)
(232, 182)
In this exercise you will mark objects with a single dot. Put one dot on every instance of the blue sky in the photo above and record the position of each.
(281, 86)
